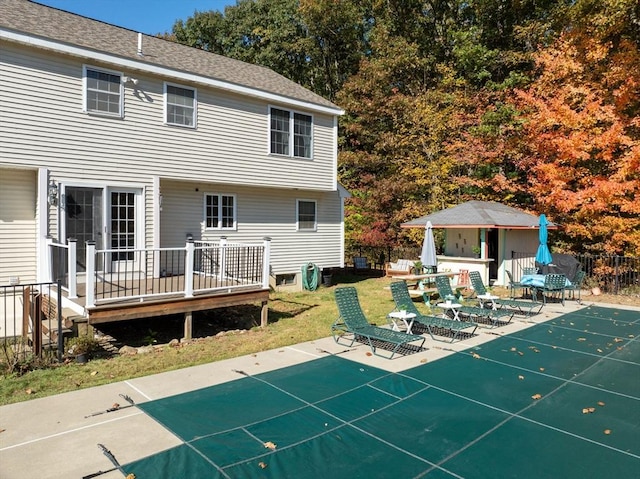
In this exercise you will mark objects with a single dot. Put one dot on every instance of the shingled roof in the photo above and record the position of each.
(39, 25)
(478, 214)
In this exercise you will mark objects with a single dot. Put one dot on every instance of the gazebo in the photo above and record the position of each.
(485, 236)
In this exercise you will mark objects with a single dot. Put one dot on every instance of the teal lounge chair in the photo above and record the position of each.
(495, 317)
(434, 325)
(352, 321)
(524, 307)
(513, 285)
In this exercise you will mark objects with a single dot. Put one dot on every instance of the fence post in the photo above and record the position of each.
(71, 268)
(223, 257)
(265, 262)
(91, 274)
(616, 278)
(188, 268)
(59, 315)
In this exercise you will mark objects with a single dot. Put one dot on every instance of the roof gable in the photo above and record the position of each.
(27, 21)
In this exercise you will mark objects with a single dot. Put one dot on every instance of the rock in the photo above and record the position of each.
(145, 349)
(174, 343)
(128, 350)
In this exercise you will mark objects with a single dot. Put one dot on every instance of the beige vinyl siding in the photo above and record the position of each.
(18, 231)
(44, 125)
(260, 212)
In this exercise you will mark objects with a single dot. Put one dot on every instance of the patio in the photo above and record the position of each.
(453, 408)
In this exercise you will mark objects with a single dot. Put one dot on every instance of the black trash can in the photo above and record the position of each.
(326, 278)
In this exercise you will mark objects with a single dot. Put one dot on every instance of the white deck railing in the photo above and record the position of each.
(114, 275)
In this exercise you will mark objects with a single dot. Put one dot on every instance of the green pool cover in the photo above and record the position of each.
(557, 400)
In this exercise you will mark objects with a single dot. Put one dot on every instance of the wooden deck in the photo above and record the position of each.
(155, 297)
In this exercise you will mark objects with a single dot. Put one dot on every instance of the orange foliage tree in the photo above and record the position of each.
(581, 142)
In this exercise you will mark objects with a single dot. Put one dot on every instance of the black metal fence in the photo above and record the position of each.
(30, 322)
(612, 274)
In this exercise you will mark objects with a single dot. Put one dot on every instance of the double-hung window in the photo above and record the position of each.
(220, 211)
(291, 133)
(180, 105)
(307, 217)
(102, 92)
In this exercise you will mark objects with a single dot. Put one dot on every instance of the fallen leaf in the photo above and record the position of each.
(618, 340)
(93, 373)
(270, 445)
(115, 405)
(262, 465)
(369, 354)
(520, 353)
(475, 355)
(585, 410)
(600, 403)
(29, 391)
(2, 430)
(582, 339)
(131, 476)
(541, 369)
(513, 349)
(424, 360)
(536, 396)
(607, 431)
(520, 377)
(599, 350)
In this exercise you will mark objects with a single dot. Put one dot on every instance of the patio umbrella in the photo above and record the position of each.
(428, 256)
(543, 256)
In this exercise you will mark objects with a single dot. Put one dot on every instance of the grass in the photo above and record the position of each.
(293, 318)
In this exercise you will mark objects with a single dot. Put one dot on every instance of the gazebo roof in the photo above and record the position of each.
(479, 214)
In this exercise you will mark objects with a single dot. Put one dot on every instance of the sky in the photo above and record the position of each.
(146, 16)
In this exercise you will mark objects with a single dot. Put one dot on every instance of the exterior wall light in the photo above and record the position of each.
(52, 193)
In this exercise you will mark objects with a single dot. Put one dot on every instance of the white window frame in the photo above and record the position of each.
(291, 133)
(315, 215)
(235, 212)
(166, 105)
(85, 89)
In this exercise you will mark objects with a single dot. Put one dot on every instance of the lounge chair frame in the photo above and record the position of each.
(352, 321)
(522, 307)
(403, 301)
(496, 317)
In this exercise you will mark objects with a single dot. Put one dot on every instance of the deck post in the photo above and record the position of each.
(91, 274)
(188, 325)
(265, 263)
(48, 267)
(71, 268)
(264, 314)
(188, 269)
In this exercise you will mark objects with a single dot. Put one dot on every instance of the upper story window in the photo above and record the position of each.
(220, 211)
(180, 105)
(103, 92)
(291, 133)
(307, 219)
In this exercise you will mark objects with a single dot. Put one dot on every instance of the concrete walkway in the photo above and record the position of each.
(52, 437)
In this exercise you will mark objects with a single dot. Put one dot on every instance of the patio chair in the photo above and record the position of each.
(353, 321)
(529, 270)
(554, 286)
(576, 285)
(513, 285)
(494, 316)
(360, 264)
(434, 325)
(524, 307)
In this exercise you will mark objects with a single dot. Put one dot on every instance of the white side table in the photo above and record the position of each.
(488, 298)
(450, 306)
(405, 318)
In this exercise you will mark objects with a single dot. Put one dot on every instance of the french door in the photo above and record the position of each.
(107, 216)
